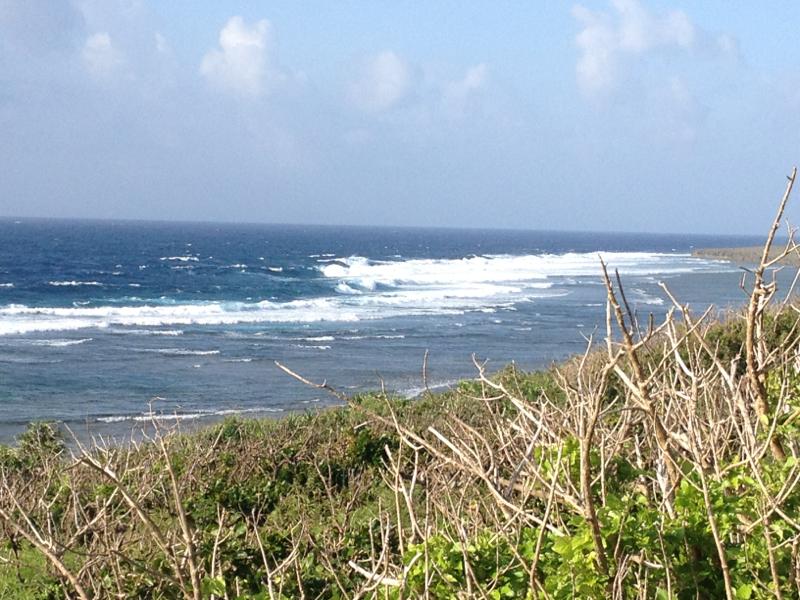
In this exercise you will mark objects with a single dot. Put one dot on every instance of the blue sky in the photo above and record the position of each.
(628, 115)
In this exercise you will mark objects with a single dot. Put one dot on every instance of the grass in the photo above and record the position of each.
(312, 481)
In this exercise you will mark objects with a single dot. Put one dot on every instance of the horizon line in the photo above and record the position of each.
(19, 219)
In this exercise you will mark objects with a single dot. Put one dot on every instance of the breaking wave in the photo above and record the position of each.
(363, 289)
(360, 273)
(59, 343)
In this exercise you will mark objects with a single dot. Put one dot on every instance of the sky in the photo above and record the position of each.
(612, 115)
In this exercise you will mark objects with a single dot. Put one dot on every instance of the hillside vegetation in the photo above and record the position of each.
(662, 463)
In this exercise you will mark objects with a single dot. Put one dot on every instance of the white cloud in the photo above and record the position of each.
(241, 64)
(607, 39)
(100, 55)
(456, 94)
(386, 80)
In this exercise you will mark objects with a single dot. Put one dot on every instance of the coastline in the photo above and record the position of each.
(748, 255)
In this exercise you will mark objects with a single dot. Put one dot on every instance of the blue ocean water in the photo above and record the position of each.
(102, 322)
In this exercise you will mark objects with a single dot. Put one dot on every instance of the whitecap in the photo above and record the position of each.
(344, 288)
(58, 343)
(178, 351)
(180, 258)
(73, 283)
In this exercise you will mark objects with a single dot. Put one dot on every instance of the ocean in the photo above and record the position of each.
(104, 323)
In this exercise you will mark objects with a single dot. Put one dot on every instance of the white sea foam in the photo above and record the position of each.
(59, 343)
(367, 290)
(178, 351)
(180, 258)
(398, 336)
(413, 392)
(189, 416)
(275, 269)
(21, 319)
(529, 269)
(319, 338)
(344, 288)
(74, 283)
(640, 296)
(168, 332)
(6, 285)
(496, 281)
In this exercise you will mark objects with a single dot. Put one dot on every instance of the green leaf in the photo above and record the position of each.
(744, 591)
(213, 585)
(562, 545)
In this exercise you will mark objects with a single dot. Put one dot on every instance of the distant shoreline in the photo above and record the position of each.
(746, 255)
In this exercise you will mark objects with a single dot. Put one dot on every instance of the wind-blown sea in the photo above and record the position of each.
(102, 322)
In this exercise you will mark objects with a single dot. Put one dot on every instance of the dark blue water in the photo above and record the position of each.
(99, 319)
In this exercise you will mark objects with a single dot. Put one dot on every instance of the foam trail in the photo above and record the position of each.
(59, 343)
(74, 283)
(178, 351)
(167, 332)
(189, 416)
